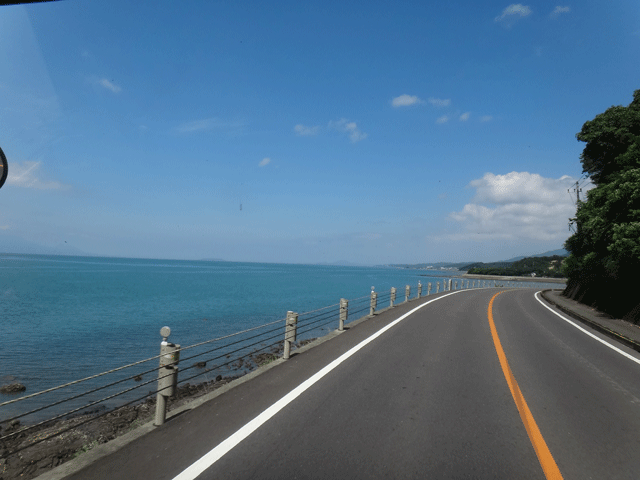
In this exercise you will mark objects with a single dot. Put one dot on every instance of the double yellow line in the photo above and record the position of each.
(545, 458)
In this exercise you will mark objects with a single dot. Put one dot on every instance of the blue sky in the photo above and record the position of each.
(366, 132)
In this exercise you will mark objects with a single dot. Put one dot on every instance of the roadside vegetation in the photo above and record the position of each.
(604, 251)
(551, 267)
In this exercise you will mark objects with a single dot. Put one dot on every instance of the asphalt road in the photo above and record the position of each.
(427, 398)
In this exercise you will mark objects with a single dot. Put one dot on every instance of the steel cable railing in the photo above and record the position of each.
(92, 377)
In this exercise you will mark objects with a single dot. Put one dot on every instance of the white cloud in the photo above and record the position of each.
(264, 162)
(443, 119)
(103, 82)
(518, 205)
(206, 124)
(304, 131)
(350, 128)
(26, 174)
(405, 101)
(559, 10)
(512, 13)
(486, 118)
(465, 116)
(440, 102)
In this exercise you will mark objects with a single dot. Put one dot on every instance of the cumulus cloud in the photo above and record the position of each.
(558, 11)
(305, 131)
(264, 162)
(440, 102)
(405, 101)
(27, 175)
(512, 13)
(465, 116)
(103, 82)
(443, 119)
(518, 205)
(350, 128)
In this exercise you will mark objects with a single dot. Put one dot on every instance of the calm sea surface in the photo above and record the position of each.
(64, 318)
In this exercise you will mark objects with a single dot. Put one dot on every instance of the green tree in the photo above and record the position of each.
(609, 137)
(605, 251)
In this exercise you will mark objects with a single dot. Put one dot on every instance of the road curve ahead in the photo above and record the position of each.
(475, 384)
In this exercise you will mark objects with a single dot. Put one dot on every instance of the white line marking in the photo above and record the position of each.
(621, 352)
(214, 455)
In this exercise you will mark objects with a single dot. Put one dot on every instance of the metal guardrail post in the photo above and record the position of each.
(429, 288)
(374, 302)
(167, 374)
(344, 312)
(290, 331)
(419, 289)
(407, 293)
(392, 297)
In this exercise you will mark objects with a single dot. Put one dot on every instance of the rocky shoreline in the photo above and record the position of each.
(26, 455)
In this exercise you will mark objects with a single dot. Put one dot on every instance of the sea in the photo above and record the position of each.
(66, 317)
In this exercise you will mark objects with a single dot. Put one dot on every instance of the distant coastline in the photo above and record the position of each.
(512, 278)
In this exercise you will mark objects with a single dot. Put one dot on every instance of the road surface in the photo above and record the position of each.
(484, 383)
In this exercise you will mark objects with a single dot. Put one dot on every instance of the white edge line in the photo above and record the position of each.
(216, 453)
(621, 352)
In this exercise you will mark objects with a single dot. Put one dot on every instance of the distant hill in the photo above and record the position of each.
(560, 252)
(550, 266)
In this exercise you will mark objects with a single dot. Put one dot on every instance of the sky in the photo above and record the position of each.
(303, 132)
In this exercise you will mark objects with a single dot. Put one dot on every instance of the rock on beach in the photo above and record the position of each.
(13, 388)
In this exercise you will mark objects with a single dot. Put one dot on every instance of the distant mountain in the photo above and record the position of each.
(541, 266)
(560, 252)
(465, 265)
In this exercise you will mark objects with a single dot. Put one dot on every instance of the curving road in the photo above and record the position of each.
(473, 384)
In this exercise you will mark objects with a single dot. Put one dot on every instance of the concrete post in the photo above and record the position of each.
(494, 284)
(438, 287)
(167, 375)
(290, 331)
(374, 302)
(419, 289)
(344, 312)
(429, 288)
(455, 285)
(407, 293)
(450, 284)
(392, 297)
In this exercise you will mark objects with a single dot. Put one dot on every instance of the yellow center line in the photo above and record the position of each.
(545, 458)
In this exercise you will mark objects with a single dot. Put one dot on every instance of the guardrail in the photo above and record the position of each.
(93, 397)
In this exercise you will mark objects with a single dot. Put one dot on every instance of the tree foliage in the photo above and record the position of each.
(605, 251)
(612, 141)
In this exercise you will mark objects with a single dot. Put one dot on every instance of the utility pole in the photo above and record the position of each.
(577, 190)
